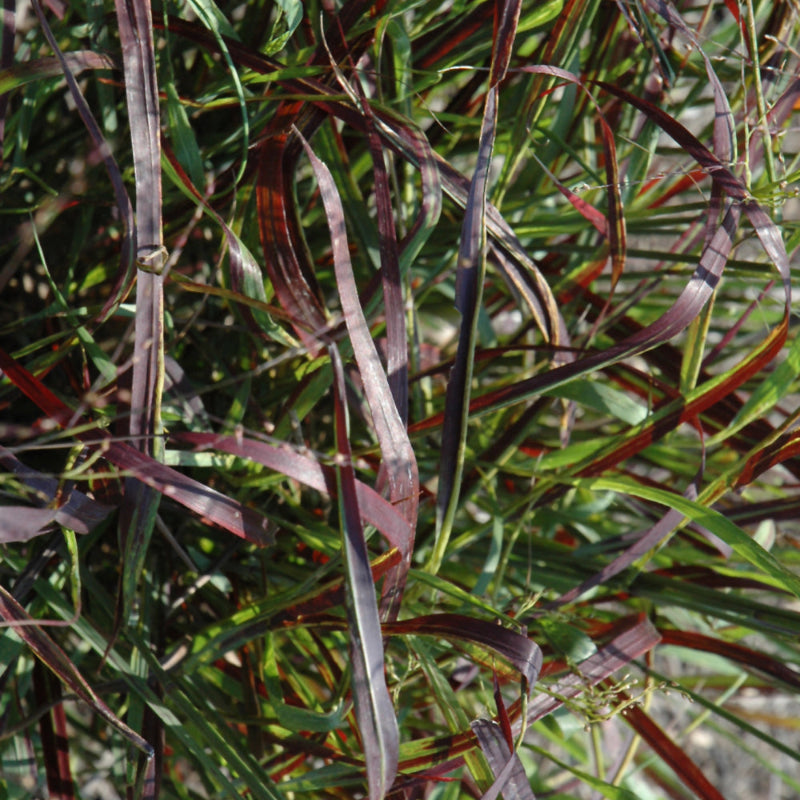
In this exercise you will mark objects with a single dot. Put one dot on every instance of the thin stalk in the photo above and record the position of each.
(761, 106)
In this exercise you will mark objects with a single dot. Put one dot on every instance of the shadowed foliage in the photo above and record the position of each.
(397, 400)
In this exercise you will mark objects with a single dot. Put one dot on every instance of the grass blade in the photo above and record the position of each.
(374, 710)
(140, 503)
(398, 462)
(55, 659)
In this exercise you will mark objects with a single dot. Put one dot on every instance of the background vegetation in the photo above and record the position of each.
(398, 398)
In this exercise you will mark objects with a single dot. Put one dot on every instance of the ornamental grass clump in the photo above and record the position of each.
(399, 400)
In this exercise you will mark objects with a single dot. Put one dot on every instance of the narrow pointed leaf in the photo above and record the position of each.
(374, 710)
(511, 781)
(398, 460)
(53, 657)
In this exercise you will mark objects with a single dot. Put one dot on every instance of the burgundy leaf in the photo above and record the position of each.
(724, 132)
(72, 508)
(746, 656)
(394, 305)
(642, 546)
(375, 510)
(377, 722)
(50, 66)
(510, 777)
(22, 523)
(292, 279)
(506, 18)
(140, 502)
(469, 289)
(626, 646)
(683, 766)
(782, 449)
(523, 653)
(53, 730)
(630, 641)
(398, 462)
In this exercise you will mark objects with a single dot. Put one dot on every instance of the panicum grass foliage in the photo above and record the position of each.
(399, 399)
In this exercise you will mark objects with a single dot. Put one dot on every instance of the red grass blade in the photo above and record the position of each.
(683, 766)
(506, 18)
(53, 730)
(292, 280)
(746, 656)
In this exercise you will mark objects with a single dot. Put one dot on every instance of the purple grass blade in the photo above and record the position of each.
(647, 542)
(53, 657)
(374, 710)
(23, 523)
(66, 505)
(724, 128)
(374, 509)
(74, 509)
(469, 289)
(520, 651)
(208, 503)
(140, 502)
(78, 61)
(632, 643)
(510, 777)
(399, 463)
(141, 88)
(394, 306)
(640, 548)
